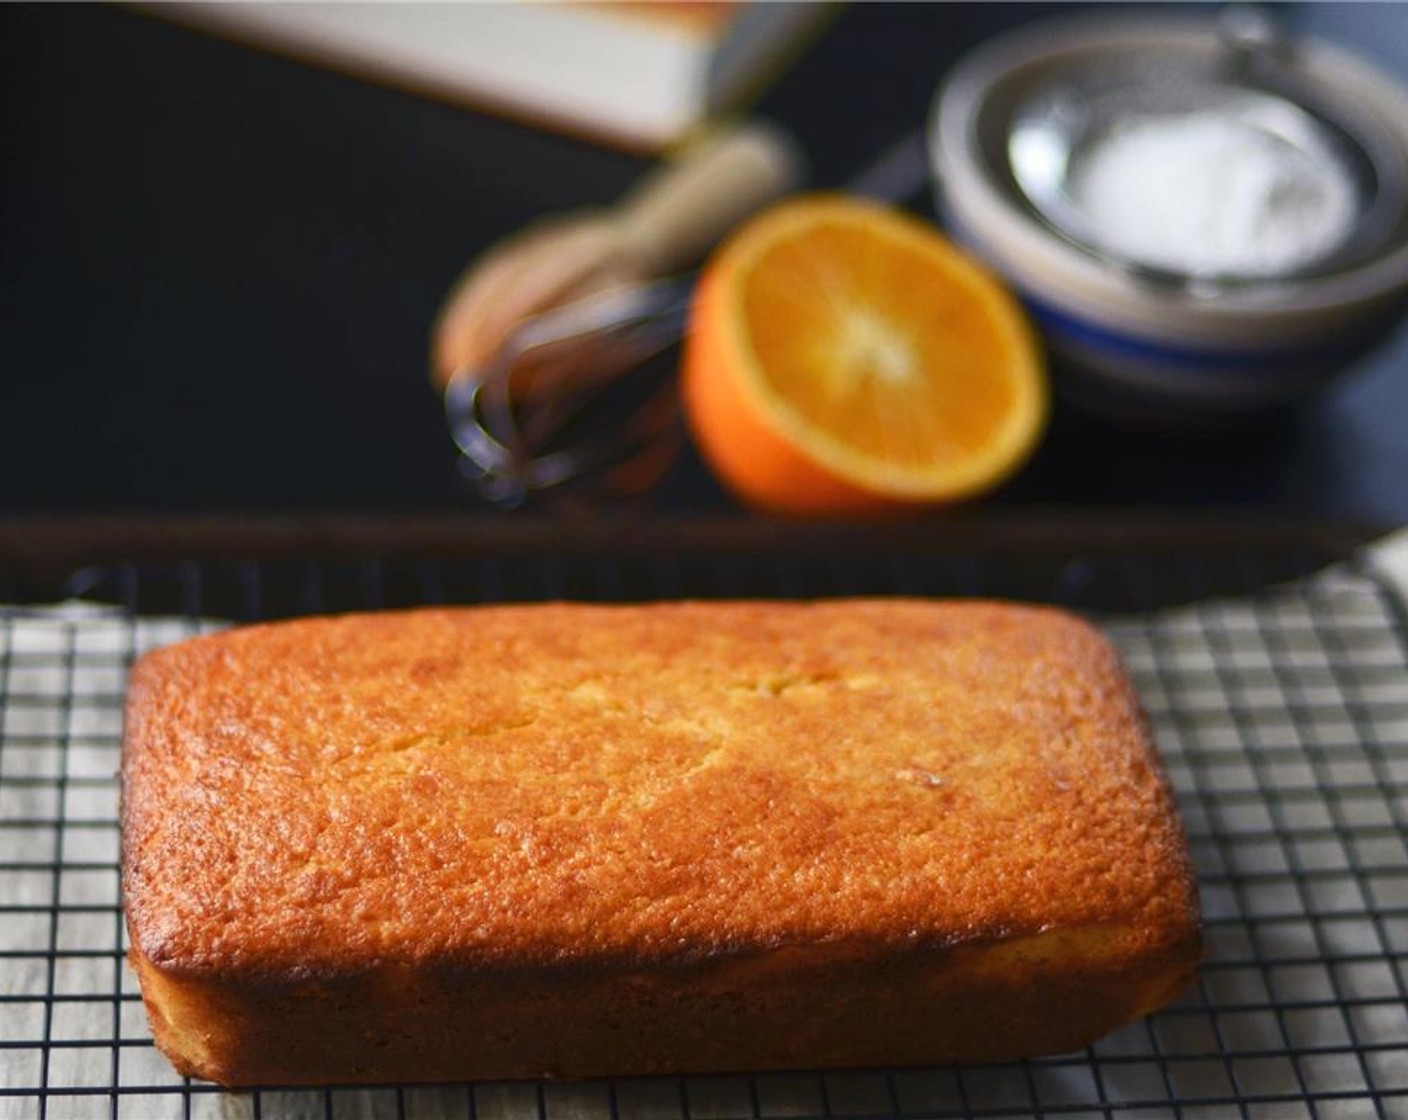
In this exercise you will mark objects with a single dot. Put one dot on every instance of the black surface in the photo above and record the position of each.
(218, 269)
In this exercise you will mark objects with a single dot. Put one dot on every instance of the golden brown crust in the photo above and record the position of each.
(602, 820)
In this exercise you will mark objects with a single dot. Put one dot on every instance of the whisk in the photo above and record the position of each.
(615, 420)
(569, 393)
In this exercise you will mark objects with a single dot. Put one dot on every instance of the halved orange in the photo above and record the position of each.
(844, 358)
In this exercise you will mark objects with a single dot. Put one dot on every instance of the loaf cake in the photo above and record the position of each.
(568, 840)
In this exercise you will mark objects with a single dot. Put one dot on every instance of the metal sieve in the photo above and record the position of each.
(1253, 76)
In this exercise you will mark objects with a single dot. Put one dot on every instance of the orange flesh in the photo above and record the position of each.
(843, 358)
(858, 339)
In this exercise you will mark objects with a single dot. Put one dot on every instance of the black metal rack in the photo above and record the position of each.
(1280, 700)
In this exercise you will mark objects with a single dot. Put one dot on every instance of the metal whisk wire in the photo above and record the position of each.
(501, 431)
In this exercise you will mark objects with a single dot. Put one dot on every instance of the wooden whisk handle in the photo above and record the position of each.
(675, 216)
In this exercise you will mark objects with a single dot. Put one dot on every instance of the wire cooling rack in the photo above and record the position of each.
(1281, 709)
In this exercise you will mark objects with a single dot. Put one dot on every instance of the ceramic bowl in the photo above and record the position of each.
(1122, 341)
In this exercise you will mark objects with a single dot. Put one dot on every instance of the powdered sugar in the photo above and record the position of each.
(1212, 194)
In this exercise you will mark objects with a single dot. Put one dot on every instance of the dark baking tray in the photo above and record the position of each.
(264, 566)
(1284, 719)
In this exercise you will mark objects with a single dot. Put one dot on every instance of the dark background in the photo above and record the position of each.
(218, 269)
